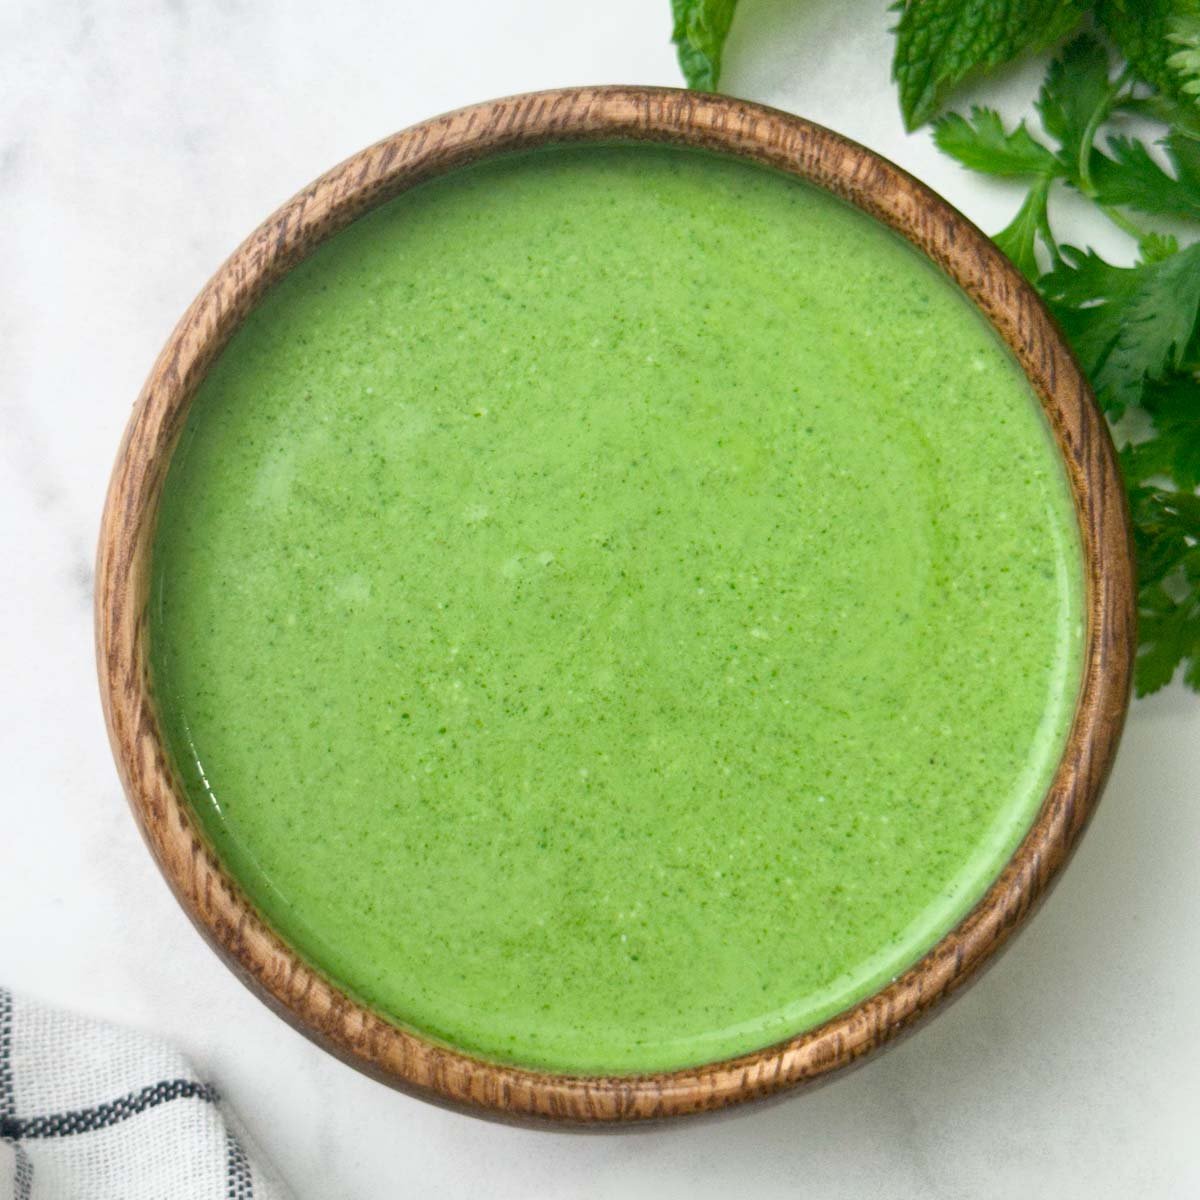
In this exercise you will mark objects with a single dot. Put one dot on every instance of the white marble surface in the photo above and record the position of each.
(138, 143)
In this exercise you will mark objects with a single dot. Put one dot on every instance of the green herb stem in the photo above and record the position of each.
(1122, 222)
(1087, 144)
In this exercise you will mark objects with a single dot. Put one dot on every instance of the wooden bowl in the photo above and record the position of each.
(215, 902)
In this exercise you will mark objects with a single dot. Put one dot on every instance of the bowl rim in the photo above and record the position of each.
(212, 898)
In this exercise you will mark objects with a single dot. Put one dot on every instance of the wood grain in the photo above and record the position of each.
(215, 902)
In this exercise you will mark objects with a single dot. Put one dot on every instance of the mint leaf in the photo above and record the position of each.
(983, 145)
(1142, 30)
(1128, 176)
(699, 33)
(940, 42)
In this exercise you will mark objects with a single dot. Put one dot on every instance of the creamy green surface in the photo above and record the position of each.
(615, 608)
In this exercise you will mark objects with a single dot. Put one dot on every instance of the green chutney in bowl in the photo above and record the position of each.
(613, 608)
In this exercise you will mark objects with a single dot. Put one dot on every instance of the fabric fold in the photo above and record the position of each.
(92, 1111)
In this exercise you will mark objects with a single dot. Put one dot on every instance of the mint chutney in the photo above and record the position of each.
(613, 608)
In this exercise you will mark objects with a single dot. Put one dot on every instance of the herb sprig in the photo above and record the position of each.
(1135, 329)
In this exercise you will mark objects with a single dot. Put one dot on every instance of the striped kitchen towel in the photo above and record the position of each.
(89, 1112)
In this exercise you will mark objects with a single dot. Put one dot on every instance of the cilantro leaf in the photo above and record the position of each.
(1183, 117)
(1167, 533)
(699, 33)
(1075, 99)
(1127, 324)
(1173, 451)
(1128, 176)
(1184, 154)
(1142, 30)
(1158, 323)
(1019, 239)
(1147, 460)
(1169, 630)
(983, 145)
(1157, 246)
(940, 42)
(1085, 279)
(1088, 296)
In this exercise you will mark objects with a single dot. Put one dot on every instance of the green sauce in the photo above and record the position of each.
(615, 608)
